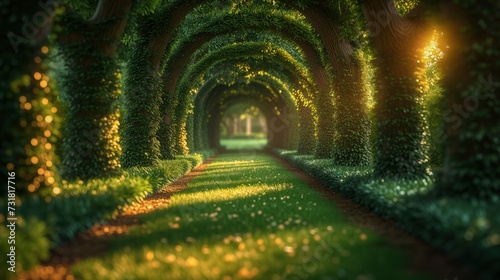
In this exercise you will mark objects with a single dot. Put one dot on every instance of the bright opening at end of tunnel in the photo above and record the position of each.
(243, 127)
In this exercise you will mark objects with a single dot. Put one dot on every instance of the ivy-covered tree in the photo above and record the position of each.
(398, 41)
(335, 22)
(91, 85)
(471, 82)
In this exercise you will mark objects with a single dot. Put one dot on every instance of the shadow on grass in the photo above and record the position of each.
(286, 230)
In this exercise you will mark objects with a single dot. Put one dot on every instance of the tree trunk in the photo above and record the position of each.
(248, 126)
(147, 113)
(351, 130)
(263, 124)
(401, 150)
(91, 87)
(307, 130)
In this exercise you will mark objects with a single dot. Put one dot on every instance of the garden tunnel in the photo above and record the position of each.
(319, 52)
(404, 88)
(280, 117)
(360, 98)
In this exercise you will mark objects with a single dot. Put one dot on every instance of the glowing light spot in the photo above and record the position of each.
(46, 90)
(150, 256)
(48, 146)
(205, 250)
(27, 106)
(47, 133)
(34, 142)
(45, 101)
(37, 59)
(247, 273)
(22, 99)
(40, 171)
(56, 190)
(10, 166)
(39, 118)
(191, 262)
(37, 76)
(31, 188)
(45, 49)
(48, 163)
(229, 258)
(34, 160)
(50, 180)
(49, 119)
(43, 84)
(53, 110)
(170, 258)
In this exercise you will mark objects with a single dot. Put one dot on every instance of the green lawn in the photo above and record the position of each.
(243, 144)
(248, 217)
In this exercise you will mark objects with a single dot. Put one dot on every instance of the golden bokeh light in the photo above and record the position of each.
(56, 190)
(45, 49)
(37, 76)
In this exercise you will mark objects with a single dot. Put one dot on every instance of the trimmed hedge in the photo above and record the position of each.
(45, 224)
(466, 229)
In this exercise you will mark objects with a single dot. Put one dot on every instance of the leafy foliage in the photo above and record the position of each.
(471, 65)
(466, 229)
(28, 98)
(42, 226)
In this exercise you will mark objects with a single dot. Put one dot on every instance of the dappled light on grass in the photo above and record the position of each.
(270, 225)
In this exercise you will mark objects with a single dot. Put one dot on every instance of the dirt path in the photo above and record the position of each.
(425, 257)
(91, 243)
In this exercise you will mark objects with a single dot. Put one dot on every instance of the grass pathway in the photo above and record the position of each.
(247, 217)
